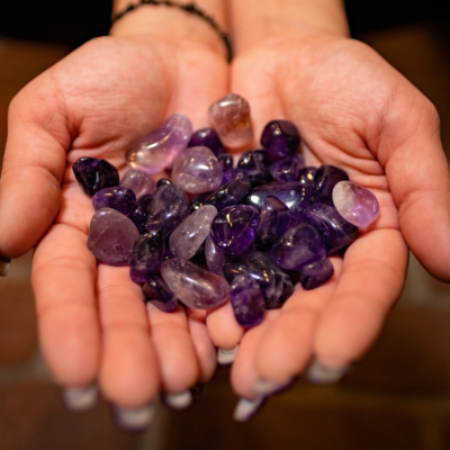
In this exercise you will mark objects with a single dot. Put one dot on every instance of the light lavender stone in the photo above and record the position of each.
(161, 147)
(215, 257)
(194, 286)
(197, 170)
(111, 237)
(355, 204)
(187, 238)
(139, 182)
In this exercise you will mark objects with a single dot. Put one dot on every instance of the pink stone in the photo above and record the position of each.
(139, 182)
(355, 204)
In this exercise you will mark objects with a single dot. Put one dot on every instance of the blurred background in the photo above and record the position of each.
(397, 398)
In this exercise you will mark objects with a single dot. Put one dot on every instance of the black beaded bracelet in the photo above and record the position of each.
(190, 8)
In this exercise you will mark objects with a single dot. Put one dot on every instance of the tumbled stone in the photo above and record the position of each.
(207, 137)
(355, 204)
(315, 274)
(326, 178)
(187, 238)
(199, 257)
(215, 257)
(111, 237)
(247, 301)
(287, 169)
(162, 181)
(227, 166)
(256, 164)
(307, 176)
(119, 198)
(230, 116)
(197, 171)
(141, 211)
(231, 193)
(139, 182)
(158, 293)
(280, 138)
(94, 174)
(159, 149)
(194, 286)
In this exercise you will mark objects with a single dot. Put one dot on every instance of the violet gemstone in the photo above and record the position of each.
(336, 232)
(300, 245)
(274, 222)
(215, 257)
(256, 165)
(162, 181)
(119, 198)
(324, 181)
(227, 165)
(197, 171)
(307, 176)
(287, 169)
(111, 237)
(280, 138)
(275, 284)
(141, 211)
(199, 258)
(230, 116)
(233, 229)
(139, 182)
(207, 137)
(198, 201)
(355, 204)
(231, 193)
(187, 238)
(158, 293)
(315, 274)
(95, 174)
(194, 286)
(247, 301)
(159, 149)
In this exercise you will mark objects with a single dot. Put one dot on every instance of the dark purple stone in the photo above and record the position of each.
(215, 257)
(233, 229)
(158, 293)
(141, 211)
(247, 301)
(227, 164)
(199, 257)
(119, 198)
(315, 274)
(307, 176)
(300, 245)
(95, 174)
(275, 284)
(336, 232)
(231, 193)
(256, 164)
(287, 169)
(207, 137)
(324, 181)
(274, 222)
(162, 182)
(198, 201)
(280, 138)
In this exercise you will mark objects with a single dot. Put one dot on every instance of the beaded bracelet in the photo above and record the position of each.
(190, 8)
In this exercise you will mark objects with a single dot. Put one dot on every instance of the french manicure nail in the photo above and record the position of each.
(225, 356)
(134, 419)
(4, 266)
(178, 401)
(320, 373)
(265, 387)
(80, 399)
(246, 408)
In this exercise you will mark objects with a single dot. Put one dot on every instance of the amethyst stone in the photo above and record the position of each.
(111, 237)
(215, 257)
(118, 198)
(158, 293)
(198, 201)
(162, 181)
(194, 286)
(231, 193)
(324, 181)
(94, 174)
(139, 182)
(307, 176)
(287, 169)
(207, 137)
(300, 245)
(227, 165)
(141, 211)
(233, 229)
(315, 274)
(256, 165)
(248, 303)
(280, 138)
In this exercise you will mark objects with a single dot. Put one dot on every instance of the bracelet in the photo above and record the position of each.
(190, 8)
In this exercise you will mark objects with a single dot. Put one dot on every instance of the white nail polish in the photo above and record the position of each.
(225, 357)
(80, 399)
(4, 266)
(178, 401)
(246, 408)
(134, 419)
(266, 387)
(320, 373)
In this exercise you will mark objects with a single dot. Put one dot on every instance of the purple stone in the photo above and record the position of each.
(256, 164)
(119, 198)
(158, 293)
(233, 229)
(207, 137)
(199, 258)
(194, 286)
(324, 181)
(307, 176)
(139, 182)
(111, 237)
(247, 300)
(197, 171)
(275, 284)
(159, 149)
(199, 201)
(336, 232)
(355, 204)
(227, 165)
(231, 193)
(141, 211)
(287, 169)
(95, 174)
(275, 219)
(300, 245)
(280, 138)
(315, 274)
(162, 181)
(215, 257)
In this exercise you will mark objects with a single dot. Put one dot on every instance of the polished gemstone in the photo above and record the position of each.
(111, 237)
(231, 193)
(159, 149)
(287, 169)
(199, 257)
(324, 181)
(315, 274)
(162, 181)
(158, 293)
(207, 137)
(139, 182)
(119, 198)
(280, 138)
(194, 286)
(256, 164)
(141, 211)
(95, 174)
(307, 176)
(230, 116)
(227, 165)
(215, 257)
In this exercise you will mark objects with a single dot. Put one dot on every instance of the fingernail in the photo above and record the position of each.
(265, 387)
(80, 399)
(4, 266)
(246, 408)
(225, 357)
(134, 419)
(320, 373)
(178, 401)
